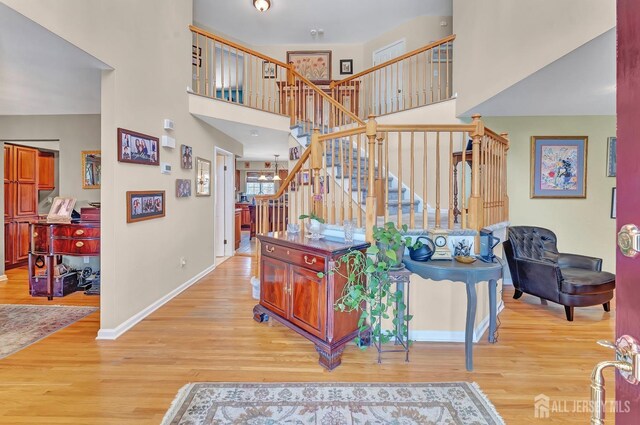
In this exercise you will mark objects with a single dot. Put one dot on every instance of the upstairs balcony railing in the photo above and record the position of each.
(418, 78)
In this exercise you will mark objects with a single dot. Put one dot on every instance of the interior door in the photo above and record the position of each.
(308, 300)
(26, 177)
(628, 201)
(388, 81)
(8, 178)
(221, 231)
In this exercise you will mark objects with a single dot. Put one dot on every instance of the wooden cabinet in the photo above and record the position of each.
(248, 216)
(46, 171)
(20, 201)
(292, 293)
(238, 227)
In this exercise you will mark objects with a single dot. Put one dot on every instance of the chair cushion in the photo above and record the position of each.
(582, 281)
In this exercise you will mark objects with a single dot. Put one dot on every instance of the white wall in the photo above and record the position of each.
(148, 45)
(499, 43)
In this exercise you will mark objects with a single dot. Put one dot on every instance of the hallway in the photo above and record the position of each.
(207, 334)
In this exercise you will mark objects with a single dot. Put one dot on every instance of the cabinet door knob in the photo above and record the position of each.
(313, 260)
(35, 234)
(269, 248)
(79, 244)
(79, 232)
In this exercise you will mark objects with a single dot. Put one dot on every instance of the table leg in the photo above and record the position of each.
(400, 321)
(472, 302)
(492, 310)
(49, 263)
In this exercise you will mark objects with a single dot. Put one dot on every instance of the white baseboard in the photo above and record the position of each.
(114, 333)
(453, 336)
(3, 278)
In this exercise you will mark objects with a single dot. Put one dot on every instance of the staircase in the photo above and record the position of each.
(354, 168)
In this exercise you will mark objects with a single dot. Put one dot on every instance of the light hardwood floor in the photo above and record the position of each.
(207, 334)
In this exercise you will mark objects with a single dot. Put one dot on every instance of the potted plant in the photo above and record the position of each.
(315, 226)
(369, 289)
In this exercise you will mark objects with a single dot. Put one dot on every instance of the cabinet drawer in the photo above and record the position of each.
(76, 231)
(293, 256)
(76, 246)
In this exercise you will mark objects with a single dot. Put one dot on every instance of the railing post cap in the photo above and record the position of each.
(371, 116)
(316, 130)
(505, 135)
(476, 116)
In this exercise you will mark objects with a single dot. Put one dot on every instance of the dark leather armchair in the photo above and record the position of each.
(537, 268)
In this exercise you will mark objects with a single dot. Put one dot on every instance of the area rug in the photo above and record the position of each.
(315, 403)
(22, 325)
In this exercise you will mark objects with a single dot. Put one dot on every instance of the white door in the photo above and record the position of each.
(388, 81)
(220, 227)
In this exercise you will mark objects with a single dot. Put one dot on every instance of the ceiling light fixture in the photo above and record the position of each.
(262, 5)
(276, 177)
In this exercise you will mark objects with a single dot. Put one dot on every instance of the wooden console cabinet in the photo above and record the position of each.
(292, 293)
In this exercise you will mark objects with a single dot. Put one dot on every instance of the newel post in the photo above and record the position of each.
(371, 205)
(291, 82)
(316, 165)
(505, 194)
(476, 205)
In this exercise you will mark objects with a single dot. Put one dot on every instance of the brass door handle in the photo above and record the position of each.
(79, 244)
(79, 232)
(269, 250)
(35, 234)
(306, 260)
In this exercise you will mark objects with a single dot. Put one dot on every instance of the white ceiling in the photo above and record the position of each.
(42, 74)
(256, 148)
(290, 21)
(582, 82)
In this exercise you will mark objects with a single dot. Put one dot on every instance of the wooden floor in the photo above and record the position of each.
(207, 334)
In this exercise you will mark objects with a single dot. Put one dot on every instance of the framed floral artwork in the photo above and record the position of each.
(558, 167)
(314, 65)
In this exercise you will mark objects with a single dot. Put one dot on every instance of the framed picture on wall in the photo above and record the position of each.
(346, 66)
(558, 167)
(314, 65)
(269, 70)
(294, 153)
(183, 188)
(91, 169)
(611, 157)
(138, 148)
(186, 157)
(613, 202)
(145, 205)
(203, 177)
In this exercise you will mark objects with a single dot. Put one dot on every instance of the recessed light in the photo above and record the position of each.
(254, 133)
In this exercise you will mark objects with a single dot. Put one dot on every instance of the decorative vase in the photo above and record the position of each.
(315, 229)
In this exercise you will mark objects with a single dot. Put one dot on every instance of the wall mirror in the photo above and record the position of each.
(91, 168)
(203, 177)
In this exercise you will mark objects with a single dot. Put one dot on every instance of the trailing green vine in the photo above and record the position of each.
(369, 288)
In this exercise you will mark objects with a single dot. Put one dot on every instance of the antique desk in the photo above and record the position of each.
(292, 293)
(470, 274)
(52, 240)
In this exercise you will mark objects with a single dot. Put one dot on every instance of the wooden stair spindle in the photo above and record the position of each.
(476, 205)
(371, 131)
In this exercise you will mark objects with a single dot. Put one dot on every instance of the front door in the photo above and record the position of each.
(628, 198)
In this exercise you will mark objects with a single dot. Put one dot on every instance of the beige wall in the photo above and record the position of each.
(151, 70)
(583, 226)
(76, 133)
(499, 43)
(417, 32)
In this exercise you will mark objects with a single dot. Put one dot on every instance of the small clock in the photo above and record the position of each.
(440, 238)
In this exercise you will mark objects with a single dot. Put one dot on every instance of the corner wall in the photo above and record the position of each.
(147, 43)
(583, 226)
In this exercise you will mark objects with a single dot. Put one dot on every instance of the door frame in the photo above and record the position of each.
(229, 194)
(390, 89)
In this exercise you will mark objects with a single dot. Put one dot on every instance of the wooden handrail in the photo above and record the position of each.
(426, 127)
(328, 98)
(496, 136)
(394, 60)
(285, 183)
(236, 45)
(342, 133)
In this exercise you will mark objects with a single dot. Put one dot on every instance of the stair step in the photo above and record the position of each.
(406, 207)
(354, 181)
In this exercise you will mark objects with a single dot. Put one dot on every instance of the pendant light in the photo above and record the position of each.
(262, 5)
(276, 177)
(262, 177)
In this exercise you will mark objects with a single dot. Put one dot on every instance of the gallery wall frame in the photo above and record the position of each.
(558, 167)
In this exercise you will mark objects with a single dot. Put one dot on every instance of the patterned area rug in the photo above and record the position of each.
(22, 325)
(332, 404)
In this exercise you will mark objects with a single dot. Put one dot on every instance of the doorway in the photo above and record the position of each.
(224, 238)
(388, 97)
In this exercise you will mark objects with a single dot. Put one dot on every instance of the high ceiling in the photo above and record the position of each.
(290, 21)
(582, 82)
(40, 73)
